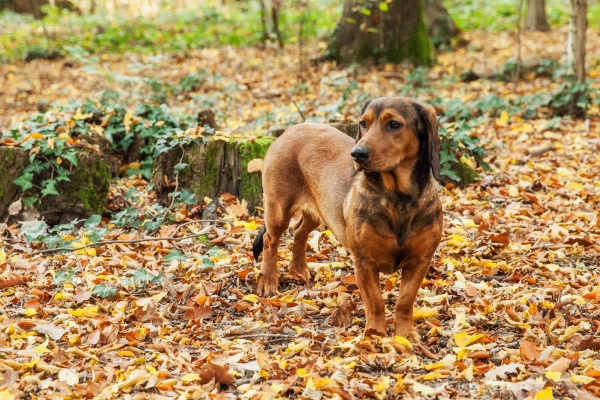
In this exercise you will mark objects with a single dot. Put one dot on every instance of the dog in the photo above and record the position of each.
(378, 194)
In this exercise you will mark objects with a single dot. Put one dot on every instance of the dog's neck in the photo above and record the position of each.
(397, 185)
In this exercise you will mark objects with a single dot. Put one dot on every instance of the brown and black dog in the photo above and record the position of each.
(378, 195)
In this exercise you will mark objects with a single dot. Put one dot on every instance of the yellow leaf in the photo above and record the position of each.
(6, 395)
(29, 312)
(250, 226)
(59, 296)
(189, 377)
(503, 120)
(88, 312)
(463, 339)
(42, 349)
(575, 186)
(134, 165)
(433, 366)
(264, 374)
(431, 376)
(287, 299)
(570, 331)
(424, 389)
(383, 384)
(424, 312)
(58, 160)
(403, 341)
(553, 375)
(462, 353)
(526, 128)
(79, 116)
(545, 394)
(35, 136)
(252, 298)
(2, 256)
(322, 382)
(126, 353)
(301, 372)
(583, 379)
(513, 191)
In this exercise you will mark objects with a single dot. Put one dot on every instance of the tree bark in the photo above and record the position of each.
(366, 33)
(440, 26)
(535, 19)
(34, 7)
(576, 41)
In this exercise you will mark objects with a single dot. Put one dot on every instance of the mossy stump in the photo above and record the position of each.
(213, 168)
(85, 194)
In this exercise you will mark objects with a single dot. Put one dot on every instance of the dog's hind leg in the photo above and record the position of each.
(277, 220)
(305, 225)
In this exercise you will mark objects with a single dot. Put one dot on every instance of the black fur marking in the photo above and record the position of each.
(257, 246)
(421, 172)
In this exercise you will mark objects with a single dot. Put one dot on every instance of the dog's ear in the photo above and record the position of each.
(429, 119)
(362, 111)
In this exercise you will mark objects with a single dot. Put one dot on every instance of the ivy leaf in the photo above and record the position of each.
(63, 276)
(71, 157)
(29, 200)
(104, 291)
(49, 187)
(141, 276)
(24, 181)
(175, 255)
(180, 167)
(92, 221)
(34, 231)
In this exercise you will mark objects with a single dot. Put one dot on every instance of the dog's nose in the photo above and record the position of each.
(360, 154)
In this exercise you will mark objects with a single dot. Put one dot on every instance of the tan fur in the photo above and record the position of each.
(384, 215)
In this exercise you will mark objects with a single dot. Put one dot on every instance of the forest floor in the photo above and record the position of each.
(510, 307)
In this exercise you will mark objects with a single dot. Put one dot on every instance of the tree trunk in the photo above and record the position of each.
(576, 41)
(440, 26)
(34, 7)
(535, 19)
(381, 32)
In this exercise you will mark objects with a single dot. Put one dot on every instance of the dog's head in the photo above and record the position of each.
(398, 132)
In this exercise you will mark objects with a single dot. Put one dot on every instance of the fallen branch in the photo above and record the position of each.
(458, 217)
(131, 241)
(269, 335)
(541, 150)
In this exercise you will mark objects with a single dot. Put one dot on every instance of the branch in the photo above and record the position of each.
(101, 243)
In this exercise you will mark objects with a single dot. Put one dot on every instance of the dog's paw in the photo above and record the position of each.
(267, 285)
(302, 274)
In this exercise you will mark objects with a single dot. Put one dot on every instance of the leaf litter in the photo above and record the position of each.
(509, 308)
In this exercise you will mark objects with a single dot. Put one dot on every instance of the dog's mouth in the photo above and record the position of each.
(375, 166)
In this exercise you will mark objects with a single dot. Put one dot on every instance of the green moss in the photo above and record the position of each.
(419, 45)
(210, 176)
(251, 185)
(90, 185)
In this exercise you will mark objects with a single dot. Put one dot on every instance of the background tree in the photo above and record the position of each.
(535, 19)
(576, 40)
(440, 26)
(34, 7)
(387, 31)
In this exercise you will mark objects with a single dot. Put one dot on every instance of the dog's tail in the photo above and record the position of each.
(257, 246)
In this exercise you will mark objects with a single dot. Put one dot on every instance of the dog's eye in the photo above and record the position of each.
(363, 124)
(395, 125)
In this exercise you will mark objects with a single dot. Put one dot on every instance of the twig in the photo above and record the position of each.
(176, 180)
(131, 241)
(269, 335)
(541, 150)
(458, 217)
(299, 111)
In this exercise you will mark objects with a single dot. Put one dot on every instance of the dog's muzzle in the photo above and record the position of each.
(360, 154)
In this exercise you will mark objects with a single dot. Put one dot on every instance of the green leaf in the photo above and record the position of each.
(175, 255)
(350, 20)
(104, 291)
(34, 231)
(24, 181)
(141, 276)
(63, 276)
(92, 221)
(71, 157)
(29, 200)
(383, 6)
(180, 167)
(365, 11)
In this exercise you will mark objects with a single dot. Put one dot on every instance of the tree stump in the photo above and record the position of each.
(85, 194)
(214, 167)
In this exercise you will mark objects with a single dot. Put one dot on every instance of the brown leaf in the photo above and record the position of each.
(586, 342)
(512, 314)
(560, 365)
(471, 290)
(500, 238)
(341, 315)
(529, 350)
(200, 311)
(14, 280)
(82, 295)
(255, 165)
(220, 373)
(349, 280)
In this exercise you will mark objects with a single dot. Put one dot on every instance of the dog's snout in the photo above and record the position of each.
(360, 154)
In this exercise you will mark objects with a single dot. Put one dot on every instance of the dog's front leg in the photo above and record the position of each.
(412, 277)
(367, 278)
